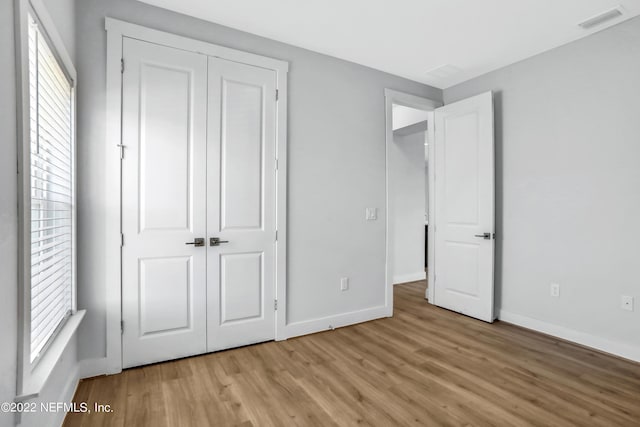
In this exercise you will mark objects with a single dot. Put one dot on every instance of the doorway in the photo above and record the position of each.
(440, 160)
(408, 194)
(409, 128)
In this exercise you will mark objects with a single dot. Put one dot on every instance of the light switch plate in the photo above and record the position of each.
(371, 214)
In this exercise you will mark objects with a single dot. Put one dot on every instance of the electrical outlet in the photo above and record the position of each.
(555, 290)
(344, 284)
(626, 303)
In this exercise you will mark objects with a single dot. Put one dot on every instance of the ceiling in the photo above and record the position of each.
(437, 42)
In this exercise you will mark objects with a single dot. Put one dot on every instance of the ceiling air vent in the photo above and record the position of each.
(601, 18)
(443, 71)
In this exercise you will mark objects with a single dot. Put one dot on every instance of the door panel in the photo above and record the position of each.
(464, 194)
(163, 203)
(164, 164)
(461, 265)
(165, 282)
(461, 168)
(241, 287)
(242, 161)
(240, 204)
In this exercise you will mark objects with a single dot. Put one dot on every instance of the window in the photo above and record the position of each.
(48, 319)
(51, 164)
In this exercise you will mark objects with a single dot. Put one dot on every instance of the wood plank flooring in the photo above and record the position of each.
(424, 366)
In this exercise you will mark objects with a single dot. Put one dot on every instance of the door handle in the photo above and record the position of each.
(215, 241)
(198, 241)
(486, 236)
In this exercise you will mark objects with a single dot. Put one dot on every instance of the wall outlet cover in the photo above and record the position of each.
(344, 284)
(555, 290)
(626, 303)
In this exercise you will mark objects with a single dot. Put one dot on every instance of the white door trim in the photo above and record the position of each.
(429, 105)
(116, 30)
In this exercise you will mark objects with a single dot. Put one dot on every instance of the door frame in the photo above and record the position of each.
(429, 105)
(116, 31)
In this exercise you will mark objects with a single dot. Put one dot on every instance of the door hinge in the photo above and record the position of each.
(276, 235)
(121, 240)
(122, 65)
(121, 147)
(275, 304)
(122, 326)
(276, 164)
(277, 94)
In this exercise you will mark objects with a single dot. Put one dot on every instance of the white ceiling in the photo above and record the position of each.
(410, 38)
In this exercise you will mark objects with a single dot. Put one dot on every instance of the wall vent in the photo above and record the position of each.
(443, 71)
(601, 18)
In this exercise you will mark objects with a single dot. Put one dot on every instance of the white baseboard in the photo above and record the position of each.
(624, 350)
(331, 322)
(100, 366)
(94, 367)
(405, 278)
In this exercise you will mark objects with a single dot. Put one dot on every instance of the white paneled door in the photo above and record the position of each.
(163, 203)
(241, 204)
(198, 136)
(464, 208)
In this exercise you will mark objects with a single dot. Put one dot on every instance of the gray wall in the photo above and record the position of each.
(336, 166)
(568, 182)
(407, 206)
(64, 377)
(63, 14)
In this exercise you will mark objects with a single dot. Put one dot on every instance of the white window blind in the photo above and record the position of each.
(52, 192)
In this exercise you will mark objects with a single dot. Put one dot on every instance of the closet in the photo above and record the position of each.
(198, 203)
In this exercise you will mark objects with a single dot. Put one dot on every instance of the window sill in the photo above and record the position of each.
(34, 381)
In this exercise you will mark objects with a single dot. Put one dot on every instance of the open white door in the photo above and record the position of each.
(464, 207)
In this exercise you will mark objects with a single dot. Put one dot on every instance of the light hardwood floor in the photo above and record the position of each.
(424, 366)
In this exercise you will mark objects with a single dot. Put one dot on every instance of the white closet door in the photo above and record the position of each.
(241, 204)
(163, 203)
(465, 208)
